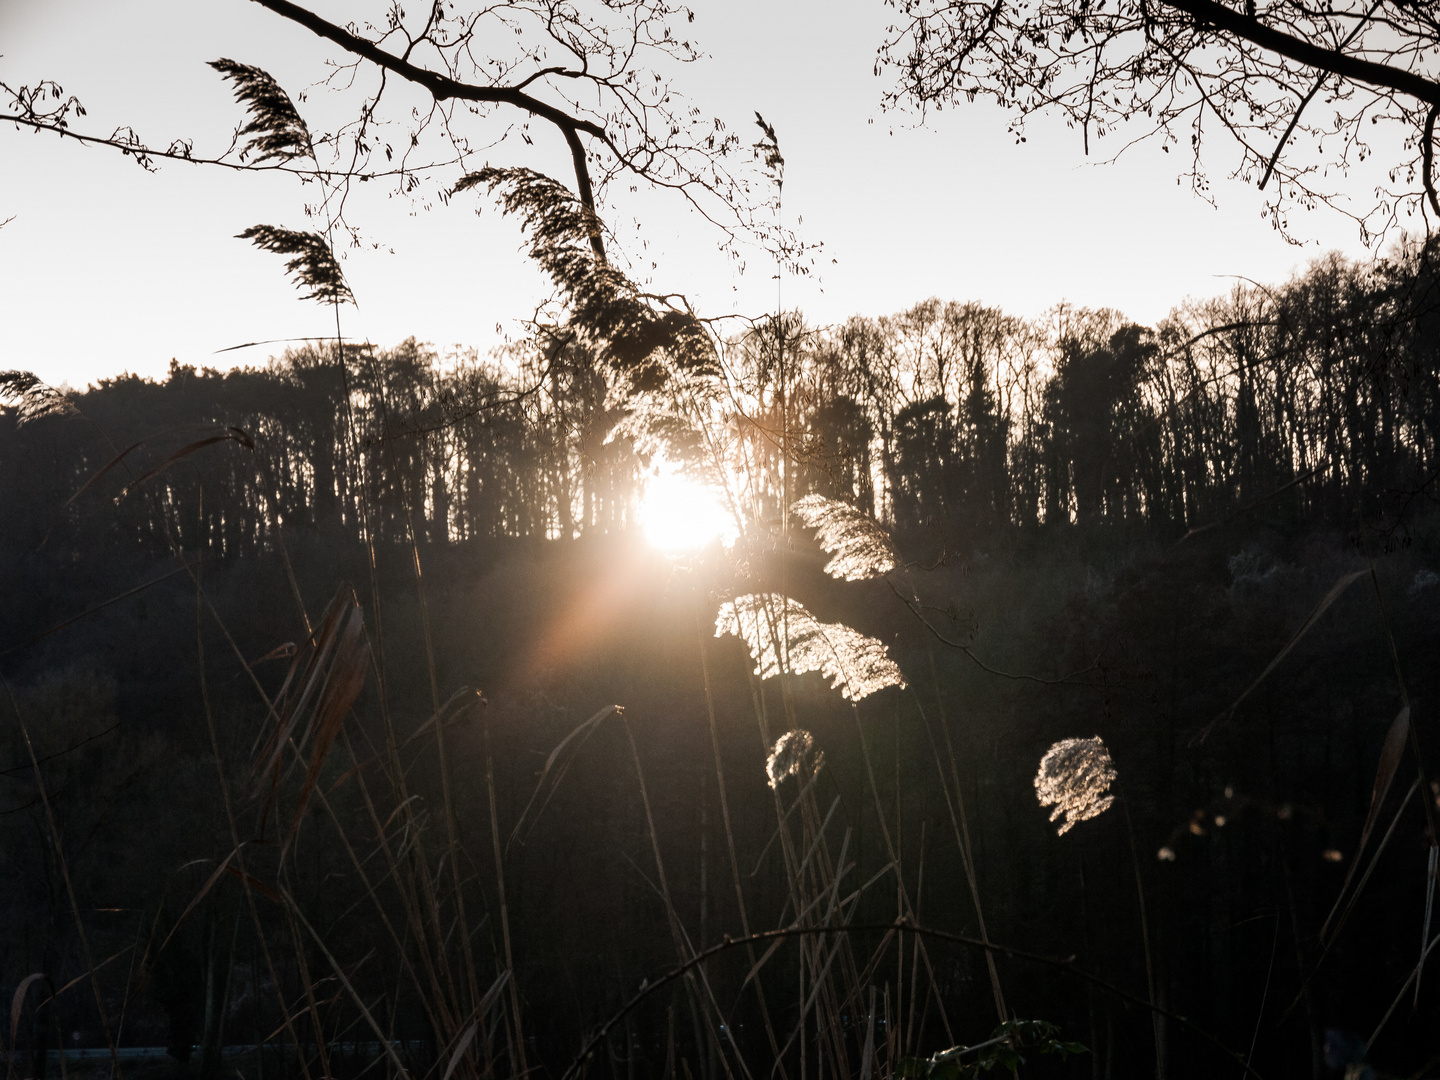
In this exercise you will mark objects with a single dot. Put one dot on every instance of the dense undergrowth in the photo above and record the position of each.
(1239, 844)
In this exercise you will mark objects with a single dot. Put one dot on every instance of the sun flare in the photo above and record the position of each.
(679, 515)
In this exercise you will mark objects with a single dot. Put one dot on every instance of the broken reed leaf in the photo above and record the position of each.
(858, 546)
(314, 266)
(32, 399)
(343, 683)
(276, 130)
(1392, 751)
(1075, 777)
(791, 756)
(783, 636)
(17, 1002)
(324, 679)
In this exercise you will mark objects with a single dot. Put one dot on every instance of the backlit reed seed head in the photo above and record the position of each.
(783, 636)
(30, 398)
(859, 547)
(791, 756)
(1075, 777)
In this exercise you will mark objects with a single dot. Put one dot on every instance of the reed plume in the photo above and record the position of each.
(792, 755)
(1075, 777)
(30, 398)
(783, 636)
(858, 546)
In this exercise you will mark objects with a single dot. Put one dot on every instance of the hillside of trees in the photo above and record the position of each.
(949, 420)
(1104, 530)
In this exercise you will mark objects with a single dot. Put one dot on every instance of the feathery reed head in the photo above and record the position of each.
(858, 546)
(768, 150)
(1075, 777)
(276, 130)
(314, 266)
(567, 240)
(31, 398)
(792, 756)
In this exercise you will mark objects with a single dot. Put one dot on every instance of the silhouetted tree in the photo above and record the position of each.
(1177, 69)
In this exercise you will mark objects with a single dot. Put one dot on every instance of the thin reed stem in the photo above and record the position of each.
(517, 1047)
(730, 840)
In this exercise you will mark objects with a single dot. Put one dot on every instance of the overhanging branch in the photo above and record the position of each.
(444, 88)
(1305, 52)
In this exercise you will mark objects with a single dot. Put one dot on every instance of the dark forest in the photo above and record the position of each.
(1056, 698)
(316, 664)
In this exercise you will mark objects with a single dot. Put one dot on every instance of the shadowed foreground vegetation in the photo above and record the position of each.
(309, 744)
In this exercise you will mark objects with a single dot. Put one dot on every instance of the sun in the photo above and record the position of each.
(679, 515)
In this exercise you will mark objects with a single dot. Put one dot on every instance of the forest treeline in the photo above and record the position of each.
(944, 421)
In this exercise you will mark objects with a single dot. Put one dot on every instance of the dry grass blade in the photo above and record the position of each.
(1430, 870)
(1391, 752)
(284, 651)
(105, 469)
(466, 695)
(581, 732)
(234, 434)
(84, 975)
(32, 399)
(330, 661)
(255, 883)
(492, 995)
(1328, 943)
(465, 1040)
(1329, 598)
(867, 1056)
(341, 686)
(482, 1010)
(91, 611)
(195, 900)
(386, 1042)
(1414, 975)
(17, 1003)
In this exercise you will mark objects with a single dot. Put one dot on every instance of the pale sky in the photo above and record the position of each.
(107, 269)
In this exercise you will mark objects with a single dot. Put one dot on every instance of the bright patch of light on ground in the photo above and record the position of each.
(679, 515)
